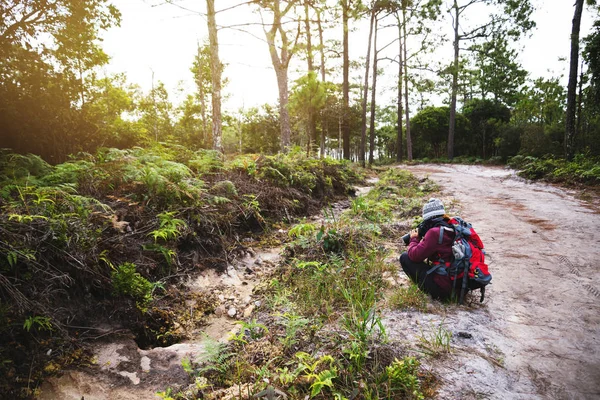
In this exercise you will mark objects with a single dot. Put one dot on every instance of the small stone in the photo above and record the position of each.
(232, 312)
(221, 297)
(465, 335)
(248, 311)
(219, 311)
(257, 303)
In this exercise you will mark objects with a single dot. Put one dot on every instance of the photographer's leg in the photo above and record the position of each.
(417, 272)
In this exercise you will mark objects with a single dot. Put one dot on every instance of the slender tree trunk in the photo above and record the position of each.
(215, 69)
(345, 82)
(372, 125)
(572, 86)
(340, 154)
(324, 123)
(202, 95)
(452, 122)
(400, 66)
(311, 122)
(284, 115)
(579, 106)
(363, 136)
(409, 154)
(280, 64)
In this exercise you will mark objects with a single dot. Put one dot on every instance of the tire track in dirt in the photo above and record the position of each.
(542, 316)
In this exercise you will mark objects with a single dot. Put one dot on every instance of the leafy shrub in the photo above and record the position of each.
(583, 169)
(402, 376)
(127, 281)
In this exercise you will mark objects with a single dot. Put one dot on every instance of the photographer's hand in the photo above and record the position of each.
(414, 233)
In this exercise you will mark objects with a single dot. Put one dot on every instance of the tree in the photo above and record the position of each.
(498, 74)
(47, 49)
(485, 115)
(307, 99)
(281, 49)
(542, 103)
(361, 151)
(155, 109)
(201, 68)
(412, 19)
(572, 85)
(591, 55)
(345, 126)
(216, 69)
(513, 17)
(430, 128)
(373, 97)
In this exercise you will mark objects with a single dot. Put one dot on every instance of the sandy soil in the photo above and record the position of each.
(537, 335)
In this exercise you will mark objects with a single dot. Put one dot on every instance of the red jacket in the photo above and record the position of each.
(428, 248)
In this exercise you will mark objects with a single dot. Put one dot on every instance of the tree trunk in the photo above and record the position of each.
(372, 126)
(363, 135)
(311, 121)
(324, 124)
(452, 122)
(400, 58)
(579, 107)
(284, 115)
(409, 154)
(280, 65)
(345, 83)
(215, 69)
(572, 86)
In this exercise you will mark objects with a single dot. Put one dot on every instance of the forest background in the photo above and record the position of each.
(59, 96)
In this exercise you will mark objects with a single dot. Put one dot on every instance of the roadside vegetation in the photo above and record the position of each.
(104, 239)
(320, 333)
(584, 169)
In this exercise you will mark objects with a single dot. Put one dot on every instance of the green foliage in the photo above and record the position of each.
(583, 169)
(38, 322)
(216, 361)
(409, 297)
(127, 281)
(315, 372)
(169, 228)
(293, 323)
(300, 230)
(403, 376)
(437, 342)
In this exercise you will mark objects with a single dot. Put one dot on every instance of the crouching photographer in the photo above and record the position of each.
(432, 241)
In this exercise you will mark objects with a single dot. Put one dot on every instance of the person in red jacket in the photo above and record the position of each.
(432, 242)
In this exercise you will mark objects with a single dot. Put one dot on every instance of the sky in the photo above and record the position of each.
(158, 43)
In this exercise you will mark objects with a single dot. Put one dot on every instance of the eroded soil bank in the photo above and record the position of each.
(538, 335)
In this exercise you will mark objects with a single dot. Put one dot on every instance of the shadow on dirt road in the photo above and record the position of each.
(538, 336)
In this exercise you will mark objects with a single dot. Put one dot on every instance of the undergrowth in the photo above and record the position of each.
(321, 334)
(584, 169)
(108, 234)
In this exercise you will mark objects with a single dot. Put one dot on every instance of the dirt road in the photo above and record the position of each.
(538, 337)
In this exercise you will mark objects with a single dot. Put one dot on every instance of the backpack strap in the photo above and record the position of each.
(442, 229)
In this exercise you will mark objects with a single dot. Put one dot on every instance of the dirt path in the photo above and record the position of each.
(539, 336)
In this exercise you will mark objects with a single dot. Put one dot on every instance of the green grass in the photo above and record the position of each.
(409, 297)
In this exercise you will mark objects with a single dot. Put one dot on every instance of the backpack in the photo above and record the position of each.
(468, 258)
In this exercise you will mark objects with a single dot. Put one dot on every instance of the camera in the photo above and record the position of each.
(421, 229)
(406, 239)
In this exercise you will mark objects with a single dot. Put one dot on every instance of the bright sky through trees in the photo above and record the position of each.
(162, 39)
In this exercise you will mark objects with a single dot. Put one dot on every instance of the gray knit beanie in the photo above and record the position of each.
(433, 208)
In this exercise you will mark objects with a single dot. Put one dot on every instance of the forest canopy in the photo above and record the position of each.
(56, 98)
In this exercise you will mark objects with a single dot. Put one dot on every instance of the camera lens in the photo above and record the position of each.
(406, 239)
